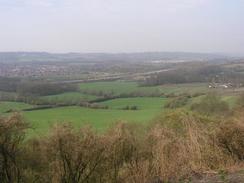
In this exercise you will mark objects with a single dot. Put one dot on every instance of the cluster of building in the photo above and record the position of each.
(33, 70)
(225, 85)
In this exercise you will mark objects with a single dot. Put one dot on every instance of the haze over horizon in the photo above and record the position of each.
(122, 25)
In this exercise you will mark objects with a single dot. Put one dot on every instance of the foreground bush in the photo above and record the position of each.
(177, 145)
(230, 137)
(12, 132)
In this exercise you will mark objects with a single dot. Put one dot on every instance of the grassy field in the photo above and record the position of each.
(100, 119)
(116, 87)
(69, 97)
(231, 100)
(119, 87)
(143, 103)
(14, 106)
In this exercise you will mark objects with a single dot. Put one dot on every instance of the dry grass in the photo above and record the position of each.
(176, 147)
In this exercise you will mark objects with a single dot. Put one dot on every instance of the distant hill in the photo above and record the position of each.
(96, 57)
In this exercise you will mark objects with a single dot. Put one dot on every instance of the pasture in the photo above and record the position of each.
(13, 106)
(142, 103)
(100, 119)
(146, 107)
(127, 87)
(116, 87)
(68, 97)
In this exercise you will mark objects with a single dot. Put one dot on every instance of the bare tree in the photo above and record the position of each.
(12, 132)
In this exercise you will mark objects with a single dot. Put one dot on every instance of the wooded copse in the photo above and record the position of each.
(34, 88)
(209, 74)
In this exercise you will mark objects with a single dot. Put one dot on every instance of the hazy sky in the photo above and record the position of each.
(122, 25)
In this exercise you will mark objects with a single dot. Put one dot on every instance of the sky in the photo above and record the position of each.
(122, 25)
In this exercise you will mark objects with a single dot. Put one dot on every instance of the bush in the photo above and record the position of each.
(12, 133)
(177, 145)
(230, 137)
(211, 104)
(240, 100)
(177, 102)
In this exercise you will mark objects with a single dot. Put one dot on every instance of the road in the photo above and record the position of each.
(113, 77)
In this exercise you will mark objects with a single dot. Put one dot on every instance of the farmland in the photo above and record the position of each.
(107, 91)
(13, 106)
(121, 87)
(118, 109)
(100, 119)
(165, 115)
(143, 103)
(117, 88)
(103, 103)
(69, 97)
(146, 107)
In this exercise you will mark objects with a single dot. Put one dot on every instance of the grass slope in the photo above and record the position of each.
(14, 106)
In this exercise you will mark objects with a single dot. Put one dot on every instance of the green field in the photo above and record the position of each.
(100, 119)
(121, 87)
(231, 100)
(13, 106)
(143, 103)
(116, 87)
(69, 97)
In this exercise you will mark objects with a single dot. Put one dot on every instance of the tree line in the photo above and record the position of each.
(210, 73)
(33, 88)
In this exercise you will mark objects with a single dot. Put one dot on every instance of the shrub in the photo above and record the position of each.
(230, 137)
(211, 104)
(74, 156)
(12, 133)
(177, 102)
(240, 100)
(177, 145)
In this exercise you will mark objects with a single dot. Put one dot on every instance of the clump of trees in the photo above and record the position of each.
(44, 88)
(33, 87)
(204, 73)
(176, 146)
(9, 84)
